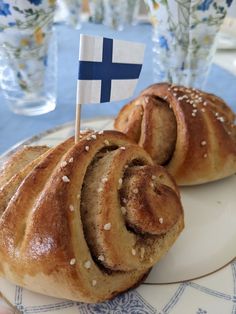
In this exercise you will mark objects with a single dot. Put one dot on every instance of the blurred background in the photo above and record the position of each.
(143, 8)
(48, 53)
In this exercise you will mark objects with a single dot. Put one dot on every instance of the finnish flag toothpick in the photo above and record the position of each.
(108, 70)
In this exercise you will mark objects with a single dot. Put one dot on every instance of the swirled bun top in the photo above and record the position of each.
(86, 221)
(190, 132)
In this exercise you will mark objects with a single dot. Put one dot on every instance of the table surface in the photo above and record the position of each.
(15, 128)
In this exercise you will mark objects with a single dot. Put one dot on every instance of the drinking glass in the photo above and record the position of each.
(119, 13)
(184, 39)
(69, 11)
(96, 8)
(28, 56)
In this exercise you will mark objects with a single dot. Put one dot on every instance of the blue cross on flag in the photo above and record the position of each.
(108, 69)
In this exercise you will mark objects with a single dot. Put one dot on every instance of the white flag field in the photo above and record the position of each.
(108, 69)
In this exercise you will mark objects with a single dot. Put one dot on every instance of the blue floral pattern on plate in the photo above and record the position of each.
(201, 311)
(127, 303)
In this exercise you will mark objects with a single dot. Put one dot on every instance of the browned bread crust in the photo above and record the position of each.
(191, 132)
(19, 160)
(68, 226)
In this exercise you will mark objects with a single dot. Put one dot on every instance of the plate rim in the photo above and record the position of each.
(11, 150)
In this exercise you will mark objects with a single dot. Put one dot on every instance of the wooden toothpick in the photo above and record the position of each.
(77, 116)
(77, 123)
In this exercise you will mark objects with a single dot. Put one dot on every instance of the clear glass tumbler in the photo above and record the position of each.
(96, 9)
(28, 76)
(114, 16)
(184, 38)
(119, 13)
(175, 64)
(132, 11)
(69, 11)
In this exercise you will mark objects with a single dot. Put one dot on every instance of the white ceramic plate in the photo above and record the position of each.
(198, 275)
